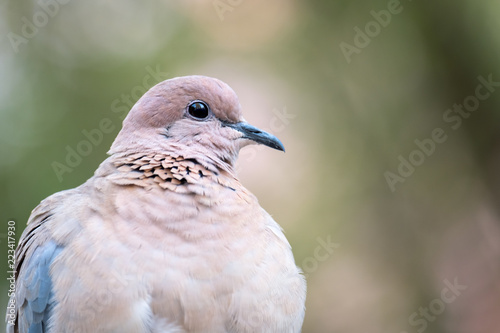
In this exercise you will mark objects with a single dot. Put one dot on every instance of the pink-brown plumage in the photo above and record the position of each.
(164, 237)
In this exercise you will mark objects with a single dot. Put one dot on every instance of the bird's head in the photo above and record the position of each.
(193, 116)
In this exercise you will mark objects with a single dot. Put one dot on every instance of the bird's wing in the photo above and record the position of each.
(36, 251)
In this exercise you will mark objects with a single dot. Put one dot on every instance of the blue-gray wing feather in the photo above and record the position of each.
(35, 297)
(35, 308)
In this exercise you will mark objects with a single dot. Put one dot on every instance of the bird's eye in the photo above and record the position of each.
(198, 110)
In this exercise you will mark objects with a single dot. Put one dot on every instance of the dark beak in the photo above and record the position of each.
(253, 133)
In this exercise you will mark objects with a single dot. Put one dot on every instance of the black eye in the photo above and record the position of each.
(198, 110)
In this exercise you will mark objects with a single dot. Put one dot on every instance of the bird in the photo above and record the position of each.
(163, 237)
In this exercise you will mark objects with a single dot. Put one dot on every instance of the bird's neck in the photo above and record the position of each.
(167, 170)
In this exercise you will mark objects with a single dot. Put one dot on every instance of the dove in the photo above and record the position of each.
(163, 237)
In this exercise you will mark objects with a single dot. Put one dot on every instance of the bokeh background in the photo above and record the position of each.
(347, 85)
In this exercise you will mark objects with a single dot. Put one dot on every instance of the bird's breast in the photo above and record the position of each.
(192, 255)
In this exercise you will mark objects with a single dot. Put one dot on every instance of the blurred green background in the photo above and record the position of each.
(348, 86)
